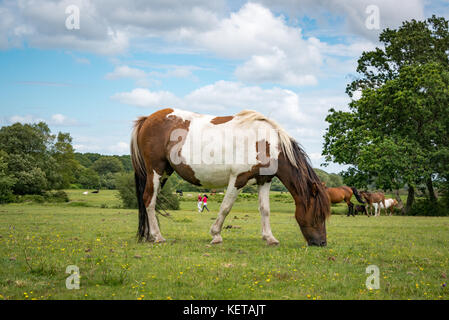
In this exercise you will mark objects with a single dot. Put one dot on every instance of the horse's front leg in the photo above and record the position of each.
(231, 195)
(264, 209)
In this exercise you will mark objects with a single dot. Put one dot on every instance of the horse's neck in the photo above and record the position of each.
(286, 175)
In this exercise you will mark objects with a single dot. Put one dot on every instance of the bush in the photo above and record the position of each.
(425, 207)
(127, 190)
(52, 197)
(57, 196)
(125, 184)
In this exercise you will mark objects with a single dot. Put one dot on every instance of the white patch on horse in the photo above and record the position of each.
(215, 152)
(151, 210)
(264, 208)
(230, 196)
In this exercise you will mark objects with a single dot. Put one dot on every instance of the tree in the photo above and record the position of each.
(107, 164)
(87, 178)
(395, 135)
(7, 181)
(34, 160)
(64, 155)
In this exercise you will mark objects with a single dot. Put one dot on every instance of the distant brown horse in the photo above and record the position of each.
(374, 197)
(343, 193)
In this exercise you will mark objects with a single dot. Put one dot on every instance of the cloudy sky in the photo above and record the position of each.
(290, 60)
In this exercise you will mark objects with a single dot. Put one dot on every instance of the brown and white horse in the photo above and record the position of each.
(372, 198)
(231, 151)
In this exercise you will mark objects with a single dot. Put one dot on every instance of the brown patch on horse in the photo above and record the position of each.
(183, 169)
(154, 137)
(221, 120)
(243, 178)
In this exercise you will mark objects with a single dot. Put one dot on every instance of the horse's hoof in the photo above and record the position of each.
(159, 240)
(216, 240)
(272, 242)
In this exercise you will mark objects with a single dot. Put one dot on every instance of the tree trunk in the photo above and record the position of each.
(410, 199)
(432, 196)
(401, 204)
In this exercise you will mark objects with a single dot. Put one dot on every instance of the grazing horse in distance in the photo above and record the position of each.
(389, 204)
(343, 193)
(228, 151)
(373, 197)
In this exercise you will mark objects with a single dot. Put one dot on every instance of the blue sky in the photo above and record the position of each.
(290, 60)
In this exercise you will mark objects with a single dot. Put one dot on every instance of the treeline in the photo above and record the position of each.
(34, 161)
(96, 171)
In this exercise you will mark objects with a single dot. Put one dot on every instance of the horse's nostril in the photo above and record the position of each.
(323, 243)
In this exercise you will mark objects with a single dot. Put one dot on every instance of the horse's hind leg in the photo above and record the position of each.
(150, 195)
(264, 209)
(231, 195)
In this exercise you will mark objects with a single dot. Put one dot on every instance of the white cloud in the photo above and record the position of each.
(145, 98)
(119, 148)
(103, 144)
(125, 72)
(146, 79)
(25, 119)
(274, 52)
(353, 13)
(106, 26)
(55, 120)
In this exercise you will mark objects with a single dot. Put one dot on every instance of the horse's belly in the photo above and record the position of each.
(217, 175)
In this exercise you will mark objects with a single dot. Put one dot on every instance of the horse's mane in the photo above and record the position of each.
(308, 184)
(249, 116)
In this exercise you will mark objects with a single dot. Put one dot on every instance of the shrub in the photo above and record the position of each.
(425, 207)
(125, 184)
(53, 197)
(57, 196)
(127, 190)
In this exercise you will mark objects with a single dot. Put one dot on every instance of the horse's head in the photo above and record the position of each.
(311, 216)
(364, 194)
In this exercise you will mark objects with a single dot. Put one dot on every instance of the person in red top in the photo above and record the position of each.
(200, 202)
(204, 203)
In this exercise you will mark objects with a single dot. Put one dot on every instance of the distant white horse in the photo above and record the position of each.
(389, 204)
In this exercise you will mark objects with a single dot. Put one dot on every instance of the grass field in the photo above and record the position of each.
(38, 242)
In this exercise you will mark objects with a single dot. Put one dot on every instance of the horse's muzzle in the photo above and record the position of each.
(317, 243)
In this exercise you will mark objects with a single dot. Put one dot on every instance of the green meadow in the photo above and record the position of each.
(92, 232)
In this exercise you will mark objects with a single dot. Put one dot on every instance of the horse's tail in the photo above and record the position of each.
(140, 177)
(357, 195)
